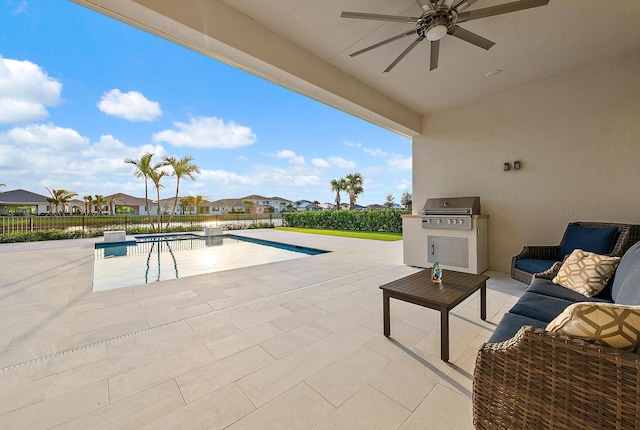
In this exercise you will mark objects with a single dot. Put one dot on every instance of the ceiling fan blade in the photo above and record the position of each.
(470, 37)
(375, 16)
(403, 54)
(448, 3)
(500, 9)
(426, 5)
(435, 53)
(384, 42)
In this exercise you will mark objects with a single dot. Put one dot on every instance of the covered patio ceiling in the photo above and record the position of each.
(305, 45)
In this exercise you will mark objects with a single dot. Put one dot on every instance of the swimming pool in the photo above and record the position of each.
(158, 258)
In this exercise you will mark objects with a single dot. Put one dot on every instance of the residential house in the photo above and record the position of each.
(227, 206)
(307, 206)
(262, 204)
(375, 207)
(125, 204)
(327, 206)
(22, 202)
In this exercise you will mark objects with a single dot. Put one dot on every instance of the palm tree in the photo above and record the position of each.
(87, 204)
(53, 203)
(197, 201)
(156, 175)
(338, 185)
(143, 168)
(181, 167)
(99, 202)
(60, 197)
(316, 205)
(354, 188)
(185, 204)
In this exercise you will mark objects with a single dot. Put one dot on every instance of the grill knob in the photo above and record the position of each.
(437, 221)
(449, 222)
(428, 221)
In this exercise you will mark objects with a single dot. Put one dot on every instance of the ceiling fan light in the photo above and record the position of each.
(436, 32)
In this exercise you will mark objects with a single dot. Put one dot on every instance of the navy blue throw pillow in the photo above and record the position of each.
(596, 240)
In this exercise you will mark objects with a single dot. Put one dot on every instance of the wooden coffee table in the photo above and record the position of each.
(420, 290)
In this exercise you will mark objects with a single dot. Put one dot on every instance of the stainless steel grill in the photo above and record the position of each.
(450, 213)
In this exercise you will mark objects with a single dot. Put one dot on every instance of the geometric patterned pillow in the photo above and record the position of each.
(606, 324)
(585, 272)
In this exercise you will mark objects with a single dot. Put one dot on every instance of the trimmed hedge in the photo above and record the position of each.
(35, 236)
(388, 220)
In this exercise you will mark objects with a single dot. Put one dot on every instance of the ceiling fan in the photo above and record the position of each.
(439, 18)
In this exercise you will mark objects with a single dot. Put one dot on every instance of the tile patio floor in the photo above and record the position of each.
(290, 345)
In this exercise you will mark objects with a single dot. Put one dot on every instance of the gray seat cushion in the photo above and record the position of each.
(548, 288)
(540, 307)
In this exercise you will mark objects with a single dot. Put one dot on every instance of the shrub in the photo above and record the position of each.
(388, 220)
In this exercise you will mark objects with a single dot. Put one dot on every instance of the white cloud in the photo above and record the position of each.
(285, 153)
(403, 185)
(342, 163)
(375, 152)
(25, 92)
(320, 162)
(298, 160)
(131, 106)
(38, 156)
(292, 156)
(46, 138)
(353, 144)
(207, 132)
(21, 7)
(242, 158)
(266, 176)
(398, 162)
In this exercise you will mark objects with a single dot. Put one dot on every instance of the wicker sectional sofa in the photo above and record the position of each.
(528, 378)
(535, 259)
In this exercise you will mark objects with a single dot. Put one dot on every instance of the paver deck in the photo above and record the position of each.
(296, 344)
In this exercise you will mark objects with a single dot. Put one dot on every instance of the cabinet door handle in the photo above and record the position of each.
(433, 249)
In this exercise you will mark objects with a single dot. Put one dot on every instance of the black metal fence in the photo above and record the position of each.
(124, 222)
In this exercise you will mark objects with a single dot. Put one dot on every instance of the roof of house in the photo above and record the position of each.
(229, 203)
(259, 197)
(21, 196)
(125, 199)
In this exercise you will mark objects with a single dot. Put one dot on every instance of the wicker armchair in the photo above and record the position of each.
(546, 380)
(627, 236)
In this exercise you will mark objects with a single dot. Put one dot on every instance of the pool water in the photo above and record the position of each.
(159, 258)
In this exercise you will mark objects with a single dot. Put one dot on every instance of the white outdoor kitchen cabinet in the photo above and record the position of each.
(460, 250)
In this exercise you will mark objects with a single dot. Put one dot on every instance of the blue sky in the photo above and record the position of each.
(79, 92)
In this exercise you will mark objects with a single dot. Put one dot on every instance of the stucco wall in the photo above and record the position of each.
(577, 137)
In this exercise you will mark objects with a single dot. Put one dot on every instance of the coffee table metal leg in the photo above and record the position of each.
(444, 334)
(483, 301)
(386, 316)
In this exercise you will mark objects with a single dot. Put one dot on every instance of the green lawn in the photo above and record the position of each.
(372, 235)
